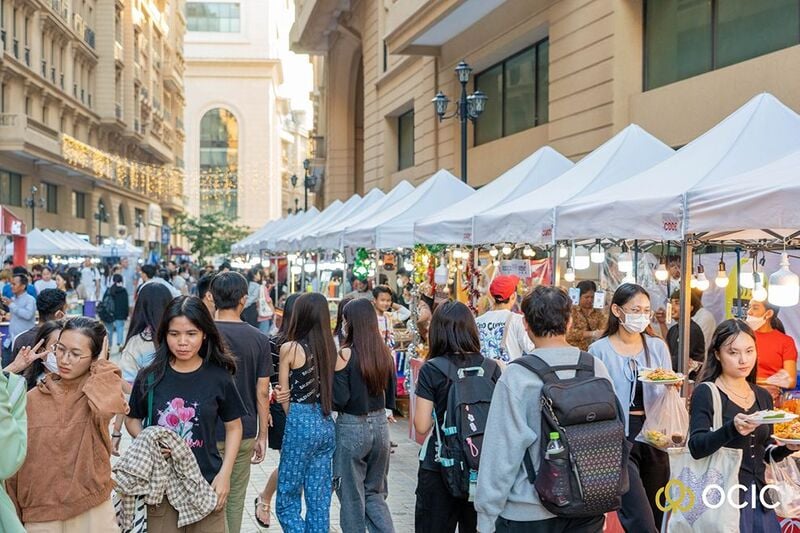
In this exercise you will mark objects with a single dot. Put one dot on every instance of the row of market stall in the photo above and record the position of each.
(65, 244)
(737, 186)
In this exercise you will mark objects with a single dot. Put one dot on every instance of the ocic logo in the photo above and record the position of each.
(677, 496)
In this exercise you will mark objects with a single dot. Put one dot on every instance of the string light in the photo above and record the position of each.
(528, 251)
(701, 281)
(784, 285)
(507, 249)
(661, 272)
(569, 275)
(759, 292)
(493, 252)
(721, 280)
(598, 254)
(581, 259)
(624, 262)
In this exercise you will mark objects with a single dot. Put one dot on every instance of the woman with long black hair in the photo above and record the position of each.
(624, 348)
(453, 335)
(277, 416)
(306, 371)
(363, 389)
(191, 381)
(730, 369)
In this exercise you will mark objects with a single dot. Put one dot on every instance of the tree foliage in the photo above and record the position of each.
(210, 234)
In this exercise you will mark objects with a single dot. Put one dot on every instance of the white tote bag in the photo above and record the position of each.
(687, 513)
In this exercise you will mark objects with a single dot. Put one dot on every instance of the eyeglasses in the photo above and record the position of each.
(639, 311)
(61, 353)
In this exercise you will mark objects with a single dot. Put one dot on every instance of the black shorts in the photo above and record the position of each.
(275, 434)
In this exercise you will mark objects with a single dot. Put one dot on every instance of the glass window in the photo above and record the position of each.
(684, 38)
(213, 17)
(517, 91)
(78, 204)
(10, 188)
(219, 156)
(405, 140)
(747, 29)
(121, 215)
(51, 196)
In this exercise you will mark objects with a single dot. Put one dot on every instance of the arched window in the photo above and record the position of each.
(219, 156)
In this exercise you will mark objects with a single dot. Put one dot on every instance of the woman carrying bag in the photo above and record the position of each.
(723, 439)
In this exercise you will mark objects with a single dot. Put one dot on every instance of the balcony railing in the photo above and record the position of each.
(44, 69)
(61, 80)
(89, 99)
(53, 75)
(28, 55)
(118, 111)
(88, 36)
(83, 96)
(15, 48)
(8, 119)
(75, 90)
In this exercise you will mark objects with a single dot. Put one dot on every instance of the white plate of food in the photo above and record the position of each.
(784, 440)
(774, 416)
(661, 376)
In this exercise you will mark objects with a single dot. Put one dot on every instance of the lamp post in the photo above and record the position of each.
(309, 182)
(469, 108)
(296, 205)
(101, 216)
(32, 203)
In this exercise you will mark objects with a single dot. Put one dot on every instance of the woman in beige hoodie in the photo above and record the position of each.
(65, 483)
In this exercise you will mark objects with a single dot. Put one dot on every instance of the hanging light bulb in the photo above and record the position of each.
(493, 252)
(507, 249)
(569, 274)
(661, 271)
(581, 259)
(784, 285)
(759, 292)
(563, 252)
(296, 269)
(528, 251)
(746, 275)
(721, 280)
(693, 282)
(624, 261)
(291, 257)
(457, 253)
(598, 254)
(628, 278)
(309, 268)
(266, 263)
(701, 281)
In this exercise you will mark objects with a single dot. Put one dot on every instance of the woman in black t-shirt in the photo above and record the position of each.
(362, 391)
(453, 334)
(191, 379)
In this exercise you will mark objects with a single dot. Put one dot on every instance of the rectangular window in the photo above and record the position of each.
(405, 140)
(213, 17)
(51, 195)
(78, 204)
(10, 188)
(518, 94)
(684, 39)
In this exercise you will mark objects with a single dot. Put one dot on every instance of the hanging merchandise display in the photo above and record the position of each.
(361, 264)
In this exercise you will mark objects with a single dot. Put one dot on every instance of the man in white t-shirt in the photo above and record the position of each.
(89, 288)
(501, 331)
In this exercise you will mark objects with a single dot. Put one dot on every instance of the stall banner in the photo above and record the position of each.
(541, 272)
(416, 365)
(516, 267)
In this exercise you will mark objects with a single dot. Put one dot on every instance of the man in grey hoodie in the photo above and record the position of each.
(505, 500)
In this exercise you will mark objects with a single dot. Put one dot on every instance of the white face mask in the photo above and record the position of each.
(755, 322)
(636, 323)
(50, 363)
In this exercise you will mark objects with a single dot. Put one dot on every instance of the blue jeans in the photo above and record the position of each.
(360, 467)
(265, 326)
(305, 470)
(117, 326)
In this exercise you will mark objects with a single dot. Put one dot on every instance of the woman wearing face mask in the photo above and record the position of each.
(65, 483)
(43, 353)
(625, 348)
(731, 368)
(776, 349)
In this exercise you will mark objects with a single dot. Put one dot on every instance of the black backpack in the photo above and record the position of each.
(591, 475)
(459, 440)
(106, 307)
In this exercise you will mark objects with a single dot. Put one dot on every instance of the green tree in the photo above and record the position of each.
(211, 234)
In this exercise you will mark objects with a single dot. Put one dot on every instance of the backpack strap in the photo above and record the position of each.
(583, 368)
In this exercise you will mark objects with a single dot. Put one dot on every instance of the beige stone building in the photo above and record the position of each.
(91, 103)
(568, 74)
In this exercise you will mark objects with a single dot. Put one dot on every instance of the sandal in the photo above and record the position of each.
(265, 507)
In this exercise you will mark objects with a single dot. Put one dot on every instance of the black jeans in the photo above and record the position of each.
(439, 512)
(648, 471)
(553, 525)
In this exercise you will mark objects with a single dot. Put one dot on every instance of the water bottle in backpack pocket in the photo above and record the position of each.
(459, 440)
(554, 473)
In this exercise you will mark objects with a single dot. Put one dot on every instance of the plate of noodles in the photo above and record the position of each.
(659, 375)
(787, 432)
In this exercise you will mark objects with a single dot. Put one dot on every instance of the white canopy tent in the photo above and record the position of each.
(331, 238)
(40, 244)
(74, 243)
(372, 198)
(759, 204)
(241, 245)
(652, 204)
(453, 225)
(283, 242)
(119, 249)
(274, 231)
(394, 227)
(350, 207)
(530, 217)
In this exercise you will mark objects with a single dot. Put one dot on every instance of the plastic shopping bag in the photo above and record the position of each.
(785, 477)
(667, 422)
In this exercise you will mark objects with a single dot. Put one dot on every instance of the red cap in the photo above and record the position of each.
(503, 287)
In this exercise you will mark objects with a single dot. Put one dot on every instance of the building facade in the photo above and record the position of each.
(91, 107)
(294, 150)
(238, 151)
(568, 73)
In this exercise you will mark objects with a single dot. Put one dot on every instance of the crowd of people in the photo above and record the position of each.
(211, 374)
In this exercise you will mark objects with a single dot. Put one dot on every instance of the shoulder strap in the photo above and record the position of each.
(716, 402)
(445, 366)
(583, 368)
(149, 420)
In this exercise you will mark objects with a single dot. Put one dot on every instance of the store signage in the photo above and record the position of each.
(516, 267)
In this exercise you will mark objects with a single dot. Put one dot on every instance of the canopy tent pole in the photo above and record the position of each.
(303, 276)
(738, 282)
(273, 263)
(686, 306)
(636, 260)
(344, 275)
(316, 273)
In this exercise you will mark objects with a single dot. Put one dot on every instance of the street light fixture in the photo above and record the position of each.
(470, 107)
(101, 216)
(32, 203)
